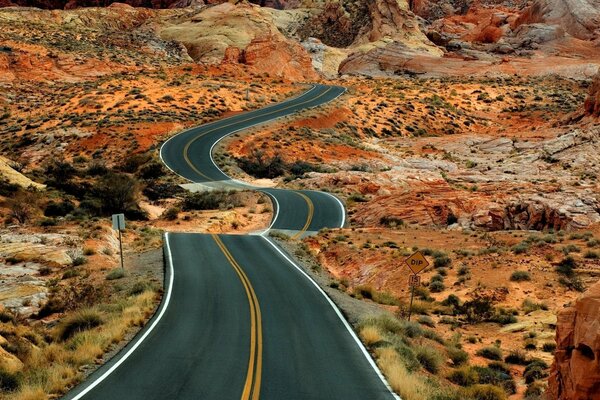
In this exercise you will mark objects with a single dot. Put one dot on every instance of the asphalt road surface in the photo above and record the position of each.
(239, 319)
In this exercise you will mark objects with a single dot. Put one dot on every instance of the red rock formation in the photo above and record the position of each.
(580, 18)
(592, 103)
(575, 374)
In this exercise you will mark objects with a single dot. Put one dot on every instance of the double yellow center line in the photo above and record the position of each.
(189, 144)
(309, 218)
(253, 378)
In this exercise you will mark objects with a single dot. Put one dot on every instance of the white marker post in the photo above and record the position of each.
(118, 221)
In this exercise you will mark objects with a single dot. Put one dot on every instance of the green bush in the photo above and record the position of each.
(426, 320)
(566, 266)
(457, 356)
(517, 357)
(535, 391)
(210, 200)
(436, 287)
(519, 276)
(483, 392)
(441, 260)
(465, 376)
(79, 322)
(520, 248)
(171, 213)
(429, 358)
(116, 273)
(491, 353)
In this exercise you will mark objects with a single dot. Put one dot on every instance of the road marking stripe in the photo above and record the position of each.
(187, 146)
(311, 212)
(340, 316)
(254, 375)
(163, 309)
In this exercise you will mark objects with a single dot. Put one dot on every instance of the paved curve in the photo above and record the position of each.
(240, 320)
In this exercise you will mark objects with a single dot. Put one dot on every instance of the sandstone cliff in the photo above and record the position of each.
(576, 369)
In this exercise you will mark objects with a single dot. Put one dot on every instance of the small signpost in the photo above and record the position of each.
(118, 221)
(417, 263)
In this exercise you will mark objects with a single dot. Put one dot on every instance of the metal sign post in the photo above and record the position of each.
(118, 221)
(417, 263)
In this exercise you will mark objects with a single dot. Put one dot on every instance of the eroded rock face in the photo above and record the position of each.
(575, 374)
(580, 18)
(592, 103)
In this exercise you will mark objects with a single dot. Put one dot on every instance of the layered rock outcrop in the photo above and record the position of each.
(576, 370)
(592, 103)
(244, 34)
(580, 18)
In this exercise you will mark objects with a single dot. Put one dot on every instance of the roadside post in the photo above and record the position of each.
(118, 221)
(416, 263)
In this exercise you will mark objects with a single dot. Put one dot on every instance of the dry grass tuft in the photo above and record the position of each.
(407, 385)
(51, 368)
(370, 335)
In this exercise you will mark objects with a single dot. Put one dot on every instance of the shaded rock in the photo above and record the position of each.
(575, 373)
(530, 34)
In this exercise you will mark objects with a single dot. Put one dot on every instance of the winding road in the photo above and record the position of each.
(240, 319)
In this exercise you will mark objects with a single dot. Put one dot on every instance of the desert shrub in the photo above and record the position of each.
(477, 310)
(429, 358)
(116, 193)
(96, 169)
(210, 200)
(549, 347)
(391, 221)
(490, 352)
(534, 374)
(570, 248)
(171, 213)
(483, 392)
(534, 391)
(451, 301)
(530, 344)
(78, 260)
(133, 162)
(259, 166)
(437, 286)
(411, 329)
(566, 266)
(591, 255)
(497, 378)
(529, 306)
(519, 276)
(503, 316)
(520, 248)
(140, 287)
(441, 260)
(70, 273)
(516, 357)
(7, 189)
(465, 376)
(152, 170)
(81, 321)
(457, 356)
(156, 191)
(88, 251)
(58, 209)
(116, 273)
(9, 382)
(426, 320)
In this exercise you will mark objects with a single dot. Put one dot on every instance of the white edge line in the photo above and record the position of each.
(146, 333)
(340, 316)
(258, 188)
(225, 119)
